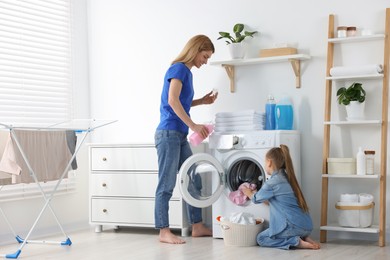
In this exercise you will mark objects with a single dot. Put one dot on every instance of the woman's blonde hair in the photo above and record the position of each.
(195, 45)
(280, 156)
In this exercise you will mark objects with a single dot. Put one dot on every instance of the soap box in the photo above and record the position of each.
(277, 52)
(341, 165)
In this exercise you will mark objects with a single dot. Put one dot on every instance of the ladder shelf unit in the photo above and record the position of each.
(382, 124)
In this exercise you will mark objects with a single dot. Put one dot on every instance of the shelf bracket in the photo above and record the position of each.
(296, 65)
(230, 71)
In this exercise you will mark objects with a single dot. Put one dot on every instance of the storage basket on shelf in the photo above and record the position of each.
(341, 165)
(355, 214)
(241, 234)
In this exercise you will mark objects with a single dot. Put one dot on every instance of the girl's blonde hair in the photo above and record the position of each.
(281, 158)
(195, 45)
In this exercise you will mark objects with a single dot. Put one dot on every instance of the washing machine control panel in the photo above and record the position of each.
(252, 141)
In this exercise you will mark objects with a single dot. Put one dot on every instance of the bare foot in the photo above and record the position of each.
(311, 241)
(166, 236)
(307, 245)
(199, 230)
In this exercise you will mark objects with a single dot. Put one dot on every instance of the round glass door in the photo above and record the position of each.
(201, 180)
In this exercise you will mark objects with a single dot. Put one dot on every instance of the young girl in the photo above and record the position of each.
(290, 223)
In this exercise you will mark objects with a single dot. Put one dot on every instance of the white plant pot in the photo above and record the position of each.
(355, 111)
(237, 50)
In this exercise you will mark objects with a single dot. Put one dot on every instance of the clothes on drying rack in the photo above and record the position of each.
(48, 153)
(5, 176)
(71, 139)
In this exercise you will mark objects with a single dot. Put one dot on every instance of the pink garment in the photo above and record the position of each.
(8, 162)
(238, 197)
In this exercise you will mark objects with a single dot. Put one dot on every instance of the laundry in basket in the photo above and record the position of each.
(355, 214)
(240, 229)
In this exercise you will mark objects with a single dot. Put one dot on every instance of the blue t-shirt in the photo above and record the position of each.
(168, 119)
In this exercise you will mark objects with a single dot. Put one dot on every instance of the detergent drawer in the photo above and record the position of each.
(131, 212)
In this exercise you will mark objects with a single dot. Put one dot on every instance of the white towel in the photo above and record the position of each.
(366, 198)
(242, 218)
(371, 69)
(346, 197)
(238, 113)
(253, 118)
(238, 128)
(240, 123)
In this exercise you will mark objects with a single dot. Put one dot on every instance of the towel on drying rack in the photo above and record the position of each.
(48, 154)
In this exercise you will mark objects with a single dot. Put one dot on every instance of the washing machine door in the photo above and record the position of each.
(201, 179)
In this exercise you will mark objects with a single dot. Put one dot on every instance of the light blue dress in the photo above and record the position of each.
(288, 222)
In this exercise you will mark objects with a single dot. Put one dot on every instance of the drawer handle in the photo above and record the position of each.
(104, 185)
(104, 159)
(104, 210)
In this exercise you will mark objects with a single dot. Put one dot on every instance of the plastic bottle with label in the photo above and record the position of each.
(196, 138)
(284, 114)
(360, 162)
(270, 113)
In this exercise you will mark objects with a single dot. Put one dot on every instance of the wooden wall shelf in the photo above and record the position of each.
(294, 59)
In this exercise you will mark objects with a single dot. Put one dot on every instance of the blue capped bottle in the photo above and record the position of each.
(284, 115)
(270, 113)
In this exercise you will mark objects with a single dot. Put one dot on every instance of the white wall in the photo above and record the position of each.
(133, 42)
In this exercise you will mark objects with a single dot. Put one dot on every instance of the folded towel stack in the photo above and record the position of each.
(247, 120)
(371, 69)
(362, 198)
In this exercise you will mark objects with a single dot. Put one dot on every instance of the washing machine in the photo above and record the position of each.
(208, 178)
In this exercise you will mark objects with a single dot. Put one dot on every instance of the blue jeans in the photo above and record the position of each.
(289, 237)
(172, 150)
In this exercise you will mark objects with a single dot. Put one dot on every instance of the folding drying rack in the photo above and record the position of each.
(79, 126)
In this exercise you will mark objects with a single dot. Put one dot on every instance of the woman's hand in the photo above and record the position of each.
(209, 98)
(201, 129)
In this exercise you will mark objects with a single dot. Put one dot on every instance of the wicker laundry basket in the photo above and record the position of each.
(240, 234)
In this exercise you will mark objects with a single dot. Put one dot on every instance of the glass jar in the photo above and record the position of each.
(351, 31)
(342, 31)
(370, 155)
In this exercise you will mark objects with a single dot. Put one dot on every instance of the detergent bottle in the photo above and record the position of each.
(360, 162)
(270, 113)
(196, 138)
(284, 115)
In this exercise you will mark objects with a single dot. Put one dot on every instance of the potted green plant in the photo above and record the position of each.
(236, 47)
(353, 98)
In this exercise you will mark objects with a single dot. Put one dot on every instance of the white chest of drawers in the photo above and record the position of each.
(123, 181)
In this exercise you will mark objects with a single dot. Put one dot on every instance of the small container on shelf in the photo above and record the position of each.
(370, 155)
(341, 166)
(351, 31)
(342, 31)
(360, 162)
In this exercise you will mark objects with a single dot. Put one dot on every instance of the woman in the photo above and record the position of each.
(171, 134)
(290, 222)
